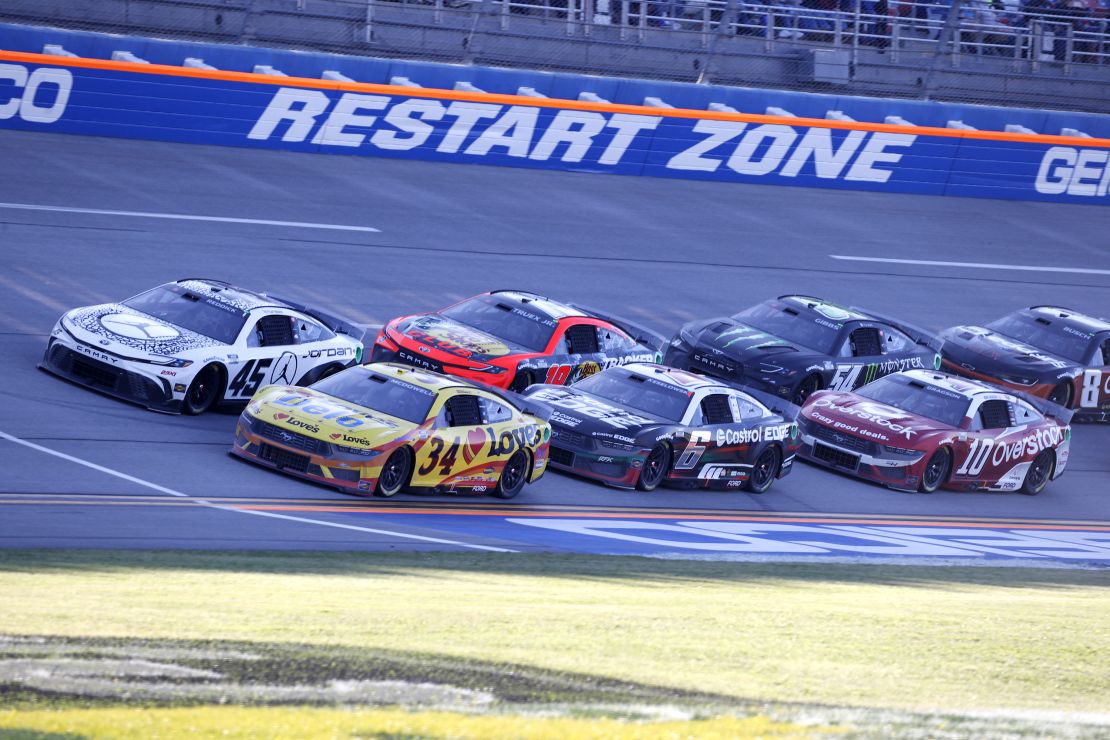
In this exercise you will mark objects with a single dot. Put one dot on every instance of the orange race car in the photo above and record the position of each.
(511, 339)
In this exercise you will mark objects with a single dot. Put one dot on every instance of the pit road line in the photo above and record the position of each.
(980, 265)
(187, 217)
(209, 504)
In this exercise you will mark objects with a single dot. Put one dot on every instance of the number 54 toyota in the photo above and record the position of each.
(922, 430)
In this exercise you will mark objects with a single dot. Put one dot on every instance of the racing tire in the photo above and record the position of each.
(204, 391)
(513, 476)
(655, 468)
(1061, 395)
(936, 471)
(395, 474)
(1039, 473)
(805, 389)
(521, 381)
(765, 470)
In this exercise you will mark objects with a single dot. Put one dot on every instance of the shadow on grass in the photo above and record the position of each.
(601, 568)
(38, 672)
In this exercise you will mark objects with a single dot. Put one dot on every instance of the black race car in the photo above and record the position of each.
(643, 424)
(1053, 353)
(794, 345)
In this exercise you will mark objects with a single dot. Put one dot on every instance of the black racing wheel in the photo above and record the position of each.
(655, 467)
(395, 474)
(1036, 478)
(204, 391)
(513, 477)
(765, 469)
(936, 470)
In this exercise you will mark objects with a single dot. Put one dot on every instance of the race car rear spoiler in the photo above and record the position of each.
(916, 333)
(330, 320)
(640, 333)
(1046, 407)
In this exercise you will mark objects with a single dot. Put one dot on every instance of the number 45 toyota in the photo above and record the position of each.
(189, 345)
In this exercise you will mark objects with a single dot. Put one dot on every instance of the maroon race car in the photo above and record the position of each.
(921, 430)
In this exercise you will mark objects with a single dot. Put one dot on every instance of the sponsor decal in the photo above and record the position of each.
(86, 350)
(558, 417)
(38, 96)
(137, 327)
(850, 376)
(284, 371)
(340, 437)
(171, 373)
(508, 441)
(776, 433)
(1072, 171)
(314, 354)
(613, 416)
(329, 411)
(877, 419)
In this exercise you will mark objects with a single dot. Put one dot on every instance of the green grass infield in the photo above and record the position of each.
(137, 644)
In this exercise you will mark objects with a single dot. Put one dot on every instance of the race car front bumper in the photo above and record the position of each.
(299, 455)
(855, 455)
(79, 364)
(609, 461)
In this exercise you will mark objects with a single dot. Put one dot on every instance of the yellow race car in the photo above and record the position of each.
(382, 428)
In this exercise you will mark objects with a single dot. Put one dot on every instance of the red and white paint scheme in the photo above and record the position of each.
(922, 430)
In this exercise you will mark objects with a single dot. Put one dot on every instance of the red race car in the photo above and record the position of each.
(511, 339)
(921, 430)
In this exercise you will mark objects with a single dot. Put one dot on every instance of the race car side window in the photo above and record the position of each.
(1106, 352)
(743, 409)
(493, 412)
(1025, 414)
(611, 339)
(463, 411)
(894, 341)
(994, 414)
(272, 331)
(581, 339)
(305, 331)
(715, 409)
(865, 342)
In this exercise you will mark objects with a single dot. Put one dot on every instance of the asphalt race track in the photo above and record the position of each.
(88, 220)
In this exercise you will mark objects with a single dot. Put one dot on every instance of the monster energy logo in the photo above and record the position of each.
(848, 377)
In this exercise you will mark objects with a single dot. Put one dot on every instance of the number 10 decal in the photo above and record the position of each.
(976, 457)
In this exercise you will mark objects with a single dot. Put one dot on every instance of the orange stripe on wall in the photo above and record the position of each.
(421, 92)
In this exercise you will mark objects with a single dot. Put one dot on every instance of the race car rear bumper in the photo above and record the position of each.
(118, 382)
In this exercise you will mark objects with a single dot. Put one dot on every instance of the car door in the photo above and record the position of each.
(576, 354)
(264, 356)
(471, 438)
(973, 457)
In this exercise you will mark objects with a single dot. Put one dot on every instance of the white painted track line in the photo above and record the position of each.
(187, 217)
(978, 265)
(210, 505)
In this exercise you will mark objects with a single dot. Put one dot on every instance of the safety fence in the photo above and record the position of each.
(196, 104)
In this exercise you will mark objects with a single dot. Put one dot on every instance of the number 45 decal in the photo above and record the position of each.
(248, 379)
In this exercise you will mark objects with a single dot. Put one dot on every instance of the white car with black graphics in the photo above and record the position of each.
(187, 346)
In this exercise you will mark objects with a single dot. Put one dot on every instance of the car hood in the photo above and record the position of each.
(740, 341)
(867, 418)
(591, 415)
(324, 417)
(124, 331)
(983, 349)
(437, 335)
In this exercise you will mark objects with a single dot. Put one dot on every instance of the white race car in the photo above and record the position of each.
(189, 345)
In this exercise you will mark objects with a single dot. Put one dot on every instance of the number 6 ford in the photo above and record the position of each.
(190, 345)
(922, 430)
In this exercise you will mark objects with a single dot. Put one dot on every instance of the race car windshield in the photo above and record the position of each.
(380, 393)
(502, 319)
(1051, 338)
(176, 305)
(643, 394)
(917, 398)
(819, 336)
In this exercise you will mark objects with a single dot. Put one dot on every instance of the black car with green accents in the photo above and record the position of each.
(794, 345)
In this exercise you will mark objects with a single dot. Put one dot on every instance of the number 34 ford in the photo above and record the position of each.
(922, 430)
(193, 344)
(642, 425)
(382, 428)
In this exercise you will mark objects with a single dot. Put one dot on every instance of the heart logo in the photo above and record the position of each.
(336, 436)
(280, 416)
(475, 441)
